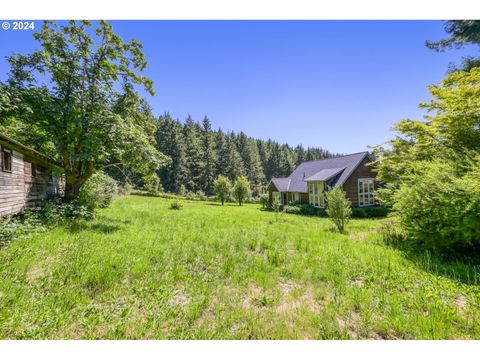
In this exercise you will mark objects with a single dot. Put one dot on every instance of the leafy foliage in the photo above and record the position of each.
(152, 184)
(176, 205)
(222, 188)
(86, 106)
(338, 207)
(98, 191)
(440, 207)
(242, 190)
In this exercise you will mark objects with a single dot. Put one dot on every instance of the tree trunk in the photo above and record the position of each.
(72, 188)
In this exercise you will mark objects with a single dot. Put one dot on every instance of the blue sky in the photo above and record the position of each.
(340, 85)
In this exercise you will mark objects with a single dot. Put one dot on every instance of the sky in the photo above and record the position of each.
(340, 85)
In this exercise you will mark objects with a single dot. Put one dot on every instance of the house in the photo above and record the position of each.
(26, 177)
(310, 179)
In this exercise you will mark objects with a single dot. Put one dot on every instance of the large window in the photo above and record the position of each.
(315, 194)
(6, 159)
(365, 192)
(276, 196)
(296, 196)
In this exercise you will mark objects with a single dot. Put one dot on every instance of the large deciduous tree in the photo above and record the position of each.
(78, 93)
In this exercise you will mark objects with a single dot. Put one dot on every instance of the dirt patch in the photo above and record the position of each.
(351, 324)
(254, 292)
(179, 298)
(290, 303)
(461, 304)
(358, 282)
(35, 273)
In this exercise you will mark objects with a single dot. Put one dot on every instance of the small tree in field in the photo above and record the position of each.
(338, 208)
(222, 188)
(241, 189)
(153, 184)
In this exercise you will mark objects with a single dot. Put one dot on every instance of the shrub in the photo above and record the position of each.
(276, 208)
(152, 184)
(265, 201)
(125, 189)
(440, 205)
(370, 212)
(98, 191)
(241, 189)
(338, 208)
(182, 190)
(289, 209)
(176, 205)
(222, 188)
(201, 195)
(190, 196)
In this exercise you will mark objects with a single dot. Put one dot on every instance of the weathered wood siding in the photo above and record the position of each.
(351, 185)
(12, 186)
(20, 190)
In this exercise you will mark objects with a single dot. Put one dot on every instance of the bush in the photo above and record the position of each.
(265, 201)
(190, 196)
(338, 208)
(54, 212)
(176, 205)
(125, 189)
(370, 212)
(222, 188)
(98, 191)
(291, 209)
(201, 195)
(241, 189)
(182, 190)
(152, 184)
(440, 206)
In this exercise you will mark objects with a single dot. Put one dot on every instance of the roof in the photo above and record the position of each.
(324, 175)
(281, 183)
(41, 158)
(337, 169)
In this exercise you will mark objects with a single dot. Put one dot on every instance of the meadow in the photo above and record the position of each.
(144, 271)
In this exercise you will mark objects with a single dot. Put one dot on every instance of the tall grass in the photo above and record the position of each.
(143, 271)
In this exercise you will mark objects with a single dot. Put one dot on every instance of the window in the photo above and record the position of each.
(6, 160)
(296, 196)
(34, 170)
(315, 194)
(365, 192)
(276, 196)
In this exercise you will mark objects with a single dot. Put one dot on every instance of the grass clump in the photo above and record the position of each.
(176, 205)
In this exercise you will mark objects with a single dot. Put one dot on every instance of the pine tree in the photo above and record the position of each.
(208, 171)
(193, 154)
(170, 139)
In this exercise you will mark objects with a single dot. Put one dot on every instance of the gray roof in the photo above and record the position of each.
(281, 183)
(338, 169)
(324, 175)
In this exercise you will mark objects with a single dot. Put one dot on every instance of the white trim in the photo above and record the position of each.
(365, 196)
(315, 193)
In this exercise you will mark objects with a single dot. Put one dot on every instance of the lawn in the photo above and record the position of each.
(144, 271)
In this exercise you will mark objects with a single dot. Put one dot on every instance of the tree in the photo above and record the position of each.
(338, 207)
(462, 32)
(222, 188)
(152, 184)
(170, 142)
(207, 176)
(86, 107)
(241, 189)
(193, 154)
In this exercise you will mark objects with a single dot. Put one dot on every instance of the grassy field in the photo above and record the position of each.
(144, 271)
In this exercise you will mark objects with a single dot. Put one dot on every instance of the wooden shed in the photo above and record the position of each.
(26, 177)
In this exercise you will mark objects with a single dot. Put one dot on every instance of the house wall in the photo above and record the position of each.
(20, 190)
(351, 185)
(12, 186)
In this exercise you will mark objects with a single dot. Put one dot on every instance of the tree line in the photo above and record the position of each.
(199, 155)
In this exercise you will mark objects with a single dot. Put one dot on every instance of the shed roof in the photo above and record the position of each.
(324, 174)
(41, 158)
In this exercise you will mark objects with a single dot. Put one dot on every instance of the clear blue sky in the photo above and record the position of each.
(340, 85)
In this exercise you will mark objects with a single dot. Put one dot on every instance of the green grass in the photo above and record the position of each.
(144, 271)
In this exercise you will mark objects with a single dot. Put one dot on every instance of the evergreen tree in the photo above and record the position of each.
(193, 154)
(170, 139)
(208, 171)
